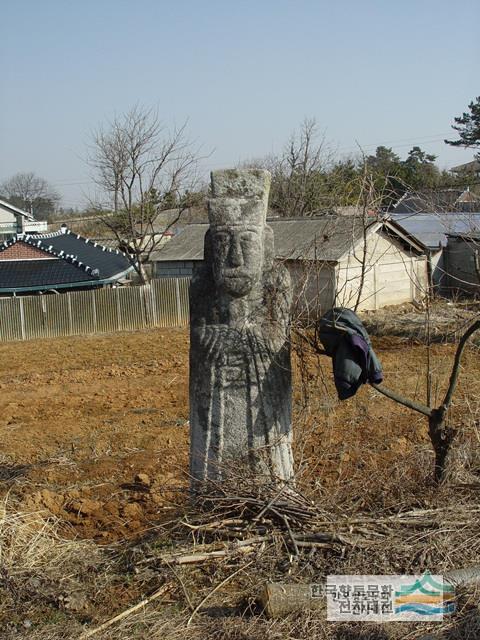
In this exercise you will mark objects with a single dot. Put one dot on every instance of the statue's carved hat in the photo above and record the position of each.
(239, 197)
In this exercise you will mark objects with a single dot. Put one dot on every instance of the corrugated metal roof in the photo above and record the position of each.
(432, 228)
(186, 245)
(327, 238)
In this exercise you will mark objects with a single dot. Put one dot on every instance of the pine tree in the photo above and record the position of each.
(468, 127)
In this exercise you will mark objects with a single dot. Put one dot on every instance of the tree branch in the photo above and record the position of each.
(456, 365)
(411, 404)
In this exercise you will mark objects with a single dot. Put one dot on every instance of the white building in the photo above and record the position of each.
(14, 220)
(333, 261)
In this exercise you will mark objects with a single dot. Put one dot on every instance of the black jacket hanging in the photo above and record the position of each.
(346, 341)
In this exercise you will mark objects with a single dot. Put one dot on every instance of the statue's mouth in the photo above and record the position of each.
(236, 274)
(237, 284)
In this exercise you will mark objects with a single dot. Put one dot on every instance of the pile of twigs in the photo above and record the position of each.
(252, 513)
(252, 533)
(227, 519)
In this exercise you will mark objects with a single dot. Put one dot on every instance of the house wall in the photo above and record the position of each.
(313, 286)
(23, 251)
(439, 273)
(392, 274)
(8, 224)
(7, 216)
(173, 269)
(462, 262)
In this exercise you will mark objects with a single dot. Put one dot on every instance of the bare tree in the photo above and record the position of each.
(141, 169)
(31, 193)
(298, 172)
(441, 434)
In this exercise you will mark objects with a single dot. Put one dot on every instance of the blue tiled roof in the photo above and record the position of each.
(73, 261)
(45, 274)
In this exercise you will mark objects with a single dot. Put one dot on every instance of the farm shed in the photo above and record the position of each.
(432, 229)
(428, 215)
(56, 262)
(325, 256)
(463, 262)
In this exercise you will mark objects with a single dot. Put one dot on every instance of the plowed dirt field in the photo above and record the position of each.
(95, 429)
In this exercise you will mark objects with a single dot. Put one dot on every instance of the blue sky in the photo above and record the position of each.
(245, 73)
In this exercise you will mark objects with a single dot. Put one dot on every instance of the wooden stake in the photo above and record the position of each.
(160, 592)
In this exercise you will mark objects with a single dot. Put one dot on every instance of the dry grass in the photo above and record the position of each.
(444, 321)
(375, 518)
(54, 588)
(41, 570)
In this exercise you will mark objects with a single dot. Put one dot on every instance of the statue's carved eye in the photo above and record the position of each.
(221, 241)
(248, 235)
(250, 241)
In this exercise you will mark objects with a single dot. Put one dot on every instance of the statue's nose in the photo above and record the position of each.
(236, 256)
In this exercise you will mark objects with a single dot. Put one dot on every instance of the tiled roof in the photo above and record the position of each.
(76, 261)
(108, 243)
(44, 274)
(109, 262)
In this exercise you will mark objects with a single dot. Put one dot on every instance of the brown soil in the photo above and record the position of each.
(95, 429)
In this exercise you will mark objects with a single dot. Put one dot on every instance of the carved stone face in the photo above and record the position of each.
(237, 258)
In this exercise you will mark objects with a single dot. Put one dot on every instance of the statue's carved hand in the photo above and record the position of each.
(212, 340)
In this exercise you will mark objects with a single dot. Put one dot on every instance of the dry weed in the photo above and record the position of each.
(41, 569)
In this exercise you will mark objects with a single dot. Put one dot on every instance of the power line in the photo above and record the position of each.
(71, 184)
(400, 143)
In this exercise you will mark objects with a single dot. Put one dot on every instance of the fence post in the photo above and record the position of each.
(412, 283)
(153, 298)
(147, 304)
(94, 311)
(177, 293)
(44, 315)
(22, 318)
(70, 321)
(119, 312)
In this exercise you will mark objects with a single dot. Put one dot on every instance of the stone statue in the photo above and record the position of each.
(240, 371)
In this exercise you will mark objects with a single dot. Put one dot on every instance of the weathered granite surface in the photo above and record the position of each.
(240, 372)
